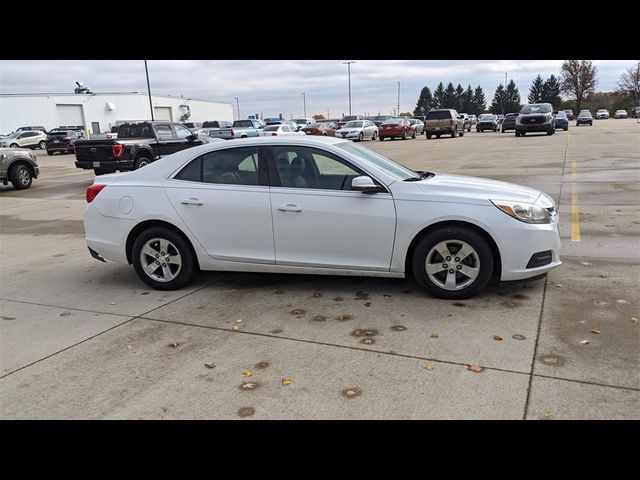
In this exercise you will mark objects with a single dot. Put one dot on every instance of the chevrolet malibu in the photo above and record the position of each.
(317, 205)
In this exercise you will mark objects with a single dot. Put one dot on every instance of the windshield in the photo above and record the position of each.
(353, 125)
(529, 109)
(392, 121)
(585, 114)
(347, 119)
(561, 115)
(488, 118)
(271, 128)
(300, 121)
(388, 166)
(15, 134)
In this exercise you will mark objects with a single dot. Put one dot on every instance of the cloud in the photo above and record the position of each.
(275, 86)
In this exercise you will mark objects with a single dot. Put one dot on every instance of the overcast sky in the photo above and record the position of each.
(271, 87)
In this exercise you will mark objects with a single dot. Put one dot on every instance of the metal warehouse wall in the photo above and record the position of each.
(40, 109)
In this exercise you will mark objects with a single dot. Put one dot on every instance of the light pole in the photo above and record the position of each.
(238, 105)
(149, 89)
(398, 99)
(304, 102)
(348, 64)
(504, 108)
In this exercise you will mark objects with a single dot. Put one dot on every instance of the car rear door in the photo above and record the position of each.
(318, 221)
(223, 198)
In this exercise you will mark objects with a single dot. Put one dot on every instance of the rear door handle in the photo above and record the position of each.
(290, 207)
(192, 201)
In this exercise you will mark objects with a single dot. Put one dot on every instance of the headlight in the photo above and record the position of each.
(525, 212)
(518, 120)
(549, 118)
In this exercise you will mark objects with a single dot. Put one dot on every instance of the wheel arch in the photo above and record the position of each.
(142, 226)
(495, 251)
(18, 162)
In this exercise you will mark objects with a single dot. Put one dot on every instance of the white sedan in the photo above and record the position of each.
(317, 205)
(358, 130)
(277, 130)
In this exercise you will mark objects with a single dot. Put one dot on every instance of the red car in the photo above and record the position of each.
(396, 127)
(324, 128)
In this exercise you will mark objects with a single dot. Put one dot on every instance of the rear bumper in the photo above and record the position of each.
(106, 236)
(106, 165)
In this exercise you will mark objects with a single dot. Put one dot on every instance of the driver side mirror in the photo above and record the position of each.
(192, 137)
(364, 184)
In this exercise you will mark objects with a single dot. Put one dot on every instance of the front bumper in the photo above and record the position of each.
(534, 127)
(521, 242)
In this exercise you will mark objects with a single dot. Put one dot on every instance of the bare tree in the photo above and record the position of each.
(578, 78)
(629, 83)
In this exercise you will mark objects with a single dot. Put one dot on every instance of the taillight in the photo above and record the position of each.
(117, 150)
(451, 123)
(231, 132)
(93, 191)
(274, 134)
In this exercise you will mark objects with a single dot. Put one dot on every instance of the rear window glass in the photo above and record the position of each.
(243, 123)
(135, 130)
(211, 125)
(439, 115)
(271, 128)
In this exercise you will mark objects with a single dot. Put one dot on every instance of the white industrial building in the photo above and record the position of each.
(98, 112)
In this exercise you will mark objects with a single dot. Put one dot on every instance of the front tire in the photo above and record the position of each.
(361, 137)
(20, 177)
(404, 135)
(42, 145)
(14, 145)
(375, 135)
(413, 137)
(163, 259)
(428, 135)
(452, 263)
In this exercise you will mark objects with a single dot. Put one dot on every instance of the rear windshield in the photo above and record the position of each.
(488, 118)
(271, 128)
(135, 130)
(213, 124)
(357, 124)
(61, 133)
(585, 114)
(439, 115)
(529, 109)
(392, 121)
(561, 115)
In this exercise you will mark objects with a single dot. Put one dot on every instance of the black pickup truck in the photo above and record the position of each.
(137, 145)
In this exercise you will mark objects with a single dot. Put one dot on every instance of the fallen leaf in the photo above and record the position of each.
(173, 344)
(235, 327)
(113, 303)
(344, 317)
(428, 367)
(247, 373)
(239, 320)
(585, 342)
(635, 320)
(248, 386)
(603, 276)
(351, 392)
(475, 368)
(65, 314)
(595, 330)
(210, 365)
(435, 335)
(246, 411)
(286, 381)
(497, 338)
(368, 341)
(546, 414)
(559, 285)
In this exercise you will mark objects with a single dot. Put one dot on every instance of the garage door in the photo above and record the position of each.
(70, 115)
(162, 113)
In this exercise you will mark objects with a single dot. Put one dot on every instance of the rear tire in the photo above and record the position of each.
(454, 133)
(14, 145)
(141, 162)
(413, 137)
(49, 153)
(461, 278)
(428, 135)
(438, 135)
(42, 145)
(361, 137)
(404, 135)
(166, 276)
(375, 135)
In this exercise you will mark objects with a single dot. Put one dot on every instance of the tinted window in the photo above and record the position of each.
(243, 123)
(135, 130)
(223, 166)
(439, 115)
(353, 124)
(192, 172)
(529, 109)
(213, 124)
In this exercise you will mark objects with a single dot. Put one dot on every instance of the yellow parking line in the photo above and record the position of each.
(575, 211)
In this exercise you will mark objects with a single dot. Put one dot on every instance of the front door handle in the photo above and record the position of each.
(290, 207)
(192, 201)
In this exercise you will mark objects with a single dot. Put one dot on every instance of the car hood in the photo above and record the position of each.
(463, 189)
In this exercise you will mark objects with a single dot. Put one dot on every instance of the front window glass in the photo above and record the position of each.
(357, 124)
(388, 166)
(529, 109)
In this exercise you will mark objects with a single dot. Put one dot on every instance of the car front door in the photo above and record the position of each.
(318, 221)
(223, 198)
(182, 134)
(166, 139)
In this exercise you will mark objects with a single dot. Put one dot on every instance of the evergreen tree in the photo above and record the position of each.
(449, 99)
(466, 103)
(497, 105)
(459, 93)
(551, 92)
(535, 91)
(438, 96)
(479, 101)
(512, 98)
(425, 102)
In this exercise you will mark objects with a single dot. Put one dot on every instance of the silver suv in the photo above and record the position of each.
(18, 166)
(26, 139)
